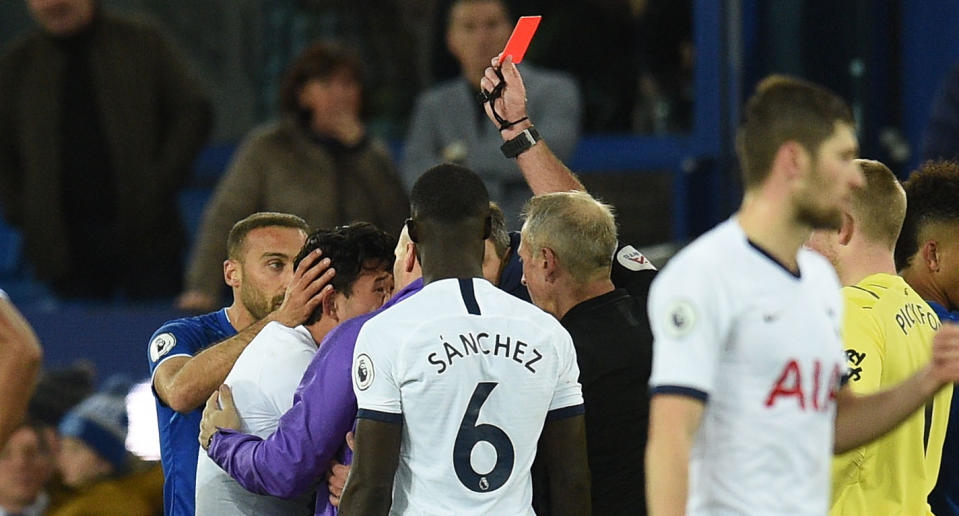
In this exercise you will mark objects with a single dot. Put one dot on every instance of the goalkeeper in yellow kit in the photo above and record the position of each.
(888, 331)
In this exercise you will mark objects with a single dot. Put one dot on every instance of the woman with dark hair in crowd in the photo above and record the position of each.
(316, 161)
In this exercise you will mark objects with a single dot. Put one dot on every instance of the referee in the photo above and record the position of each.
(567, 248)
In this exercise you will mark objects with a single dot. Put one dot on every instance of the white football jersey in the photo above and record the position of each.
(762, 348)
(472, 373)
(263, 381)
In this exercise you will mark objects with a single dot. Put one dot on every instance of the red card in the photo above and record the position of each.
(519, 40)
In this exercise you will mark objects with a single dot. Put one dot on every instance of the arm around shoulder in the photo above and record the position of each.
(184, 382)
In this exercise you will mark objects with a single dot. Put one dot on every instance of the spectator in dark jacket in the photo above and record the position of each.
(99, 126)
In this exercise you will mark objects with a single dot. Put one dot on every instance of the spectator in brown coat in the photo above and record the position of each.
(317, 162)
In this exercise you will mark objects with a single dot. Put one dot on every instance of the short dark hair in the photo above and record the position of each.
(932, 196)
(498, 234)
(352, 250)
(237, 238)
(449, 193)
(783, 109)
(319, 61)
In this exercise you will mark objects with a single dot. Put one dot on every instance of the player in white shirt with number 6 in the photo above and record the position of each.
(748, 404)
(456, 384)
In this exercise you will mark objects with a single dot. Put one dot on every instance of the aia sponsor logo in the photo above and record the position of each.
(812, 389)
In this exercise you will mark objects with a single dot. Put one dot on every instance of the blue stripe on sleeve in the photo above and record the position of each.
(680, 390)
(383, 417)
(565, 412)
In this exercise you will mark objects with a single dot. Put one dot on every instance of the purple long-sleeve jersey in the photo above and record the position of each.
(295, 458)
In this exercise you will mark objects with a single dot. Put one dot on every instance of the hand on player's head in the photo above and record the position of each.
(511, 105)
(308, 288)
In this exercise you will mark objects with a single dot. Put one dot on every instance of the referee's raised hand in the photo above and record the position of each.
(511, 103)
(307, 290)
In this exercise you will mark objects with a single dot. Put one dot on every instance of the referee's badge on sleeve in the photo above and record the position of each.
(363, 372)
(633, 260)
(161, 345)
(680, 318)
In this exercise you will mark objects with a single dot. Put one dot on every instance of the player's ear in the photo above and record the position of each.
(930, 255)
(790, 157)
(329, 307)
(232, 273)
(847, 229)
(550, 263)
(409, 261)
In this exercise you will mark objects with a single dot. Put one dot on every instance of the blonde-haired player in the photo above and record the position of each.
(887, 332)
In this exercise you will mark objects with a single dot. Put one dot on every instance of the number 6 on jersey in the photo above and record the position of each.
(471, 434)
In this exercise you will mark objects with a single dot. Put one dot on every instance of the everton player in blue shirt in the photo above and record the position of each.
(190, 357)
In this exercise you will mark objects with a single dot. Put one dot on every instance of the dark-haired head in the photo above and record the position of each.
(353, 250)
(320, 61)
(450, 220)
(932, 203)
(449, 193)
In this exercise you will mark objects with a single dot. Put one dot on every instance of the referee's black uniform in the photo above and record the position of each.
(614, 347)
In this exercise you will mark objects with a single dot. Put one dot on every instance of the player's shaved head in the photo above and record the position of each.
(880, 206)
(235, 242)
(450, 221)
(580, 230)
(449, 194)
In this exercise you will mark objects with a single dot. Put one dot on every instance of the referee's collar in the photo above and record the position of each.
(593, 303)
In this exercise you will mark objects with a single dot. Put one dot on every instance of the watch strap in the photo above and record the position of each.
(520, 143)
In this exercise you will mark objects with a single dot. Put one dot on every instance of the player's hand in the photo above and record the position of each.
(195, 301)
(511, 105)
(307, 290)
(945, 354)
(336, 476)
(336, 481)
(218, 416)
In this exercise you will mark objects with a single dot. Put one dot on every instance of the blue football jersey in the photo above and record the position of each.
(178, 432)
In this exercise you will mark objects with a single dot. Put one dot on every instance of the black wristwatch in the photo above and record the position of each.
(521, 143)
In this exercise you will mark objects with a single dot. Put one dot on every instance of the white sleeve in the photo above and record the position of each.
(690, 326)
(568, 395)
(374, 377)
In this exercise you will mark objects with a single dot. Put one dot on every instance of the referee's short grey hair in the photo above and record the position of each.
(580, 231)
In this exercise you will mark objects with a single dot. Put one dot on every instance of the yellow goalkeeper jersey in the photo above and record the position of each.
(887, 333)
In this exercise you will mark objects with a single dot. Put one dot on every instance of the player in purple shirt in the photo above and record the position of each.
(295, 458)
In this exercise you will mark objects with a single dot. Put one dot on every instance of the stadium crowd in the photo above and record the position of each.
(390, 346)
